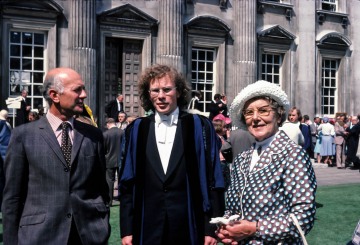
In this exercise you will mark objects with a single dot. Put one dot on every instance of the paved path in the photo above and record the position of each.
(333, 176)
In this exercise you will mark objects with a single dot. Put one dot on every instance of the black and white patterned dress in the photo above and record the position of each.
(282, 182)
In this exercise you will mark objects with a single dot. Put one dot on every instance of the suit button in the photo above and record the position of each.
(165, 189)
(68, 215)
(66, 169)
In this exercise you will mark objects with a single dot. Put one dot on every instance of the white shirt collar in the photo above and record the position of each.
(169, 120)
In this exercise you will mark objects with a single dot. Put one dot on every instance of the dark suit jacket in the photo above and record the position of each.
(240, 141)
(112, 145)
(214, 109)
(42, 195)
(112, 111)
(21, 114)
(163, 200)
(353, 141)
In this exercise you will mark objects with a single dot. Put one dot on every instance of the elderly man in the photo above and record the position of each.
(122, 117)
(55, 187)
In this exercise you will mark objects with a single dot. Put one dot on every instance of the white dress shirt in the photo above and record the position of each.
(165, 130)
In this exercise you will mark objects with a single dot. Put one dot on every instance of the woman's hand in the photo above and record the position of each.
(239, 230)
(224, 236)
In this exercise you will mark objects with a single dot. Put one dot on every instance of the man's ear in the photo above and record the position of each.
(54, 95)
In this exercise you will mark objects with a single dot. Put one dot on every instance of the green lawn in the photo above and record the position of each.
(337, 215)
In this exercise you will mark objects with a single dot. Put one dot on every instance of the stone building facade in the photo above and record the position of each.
(308, 47)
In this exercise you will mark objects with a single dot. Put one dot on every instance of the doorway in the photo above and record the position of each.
(122, 70)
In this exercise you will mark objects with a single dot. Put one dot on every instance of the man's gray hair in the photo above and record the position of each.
(52, 82)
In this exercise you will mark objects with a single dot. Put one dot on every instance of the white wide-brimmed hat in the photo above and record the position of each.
(258, 89)
(3, 114)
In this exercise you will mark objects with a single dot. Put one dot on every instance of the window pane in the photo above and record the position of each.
(14, 50)
(26, 64)
(38, 65)
(39, 39)
(276, 69)
(276, 79)
(15, 37)
(37, 102)
(26, 51)
(38, 77)
(37, 90)
(201, 66)
(201, 76)
(269, 59)
(201, 55)
(27, 37)
(39, 52)
(193, 75)
(210, 56)
(14, 63)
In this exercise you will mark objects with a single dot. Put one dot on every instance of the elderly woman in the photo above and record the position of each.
(327, 140)
(274, 180)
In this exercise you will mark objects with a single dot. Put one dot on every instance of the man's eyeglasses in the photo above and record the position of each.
(262, 112)
(155, 91)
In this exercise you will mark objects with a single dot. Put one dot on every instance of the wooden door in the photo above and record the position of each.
(112, 80)
(131, 69)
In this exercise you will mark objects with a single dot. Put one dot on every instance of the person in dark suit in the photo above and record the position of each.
(216, 106)
(114, 107)
(353, 141)
(55, 186)
(171, 181)
(22, 113)
(112, 145)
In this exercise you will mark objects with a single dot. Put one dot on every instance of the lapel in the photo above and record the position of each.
(78, 138)
(48, 135)
(177, 150)
(152, 152)
(272, 154)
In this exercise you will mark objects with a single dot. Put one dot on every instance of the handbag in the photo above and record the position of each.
(296, 222)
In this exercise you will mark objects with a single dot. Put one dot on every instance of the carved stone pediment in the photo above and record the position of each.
(127, 15)
(34, 8)
(275, 31)
(332, 40)
(209, 25)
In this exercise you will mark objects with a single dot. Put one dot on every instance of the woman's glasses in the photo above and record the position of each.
(262, 112)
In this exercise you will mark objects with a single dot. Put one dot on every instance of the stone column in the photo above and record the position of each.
(82, 38)
(244, 43)
(170, 34)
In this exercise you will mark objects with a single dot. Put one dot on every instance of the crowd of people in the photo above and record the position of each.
(172, 170)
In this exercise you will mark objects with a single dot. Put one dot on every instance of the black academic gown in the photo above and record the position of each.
(159, 208)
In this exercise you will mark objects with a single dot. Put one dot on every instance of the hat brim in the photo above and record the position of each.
(260, 88)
